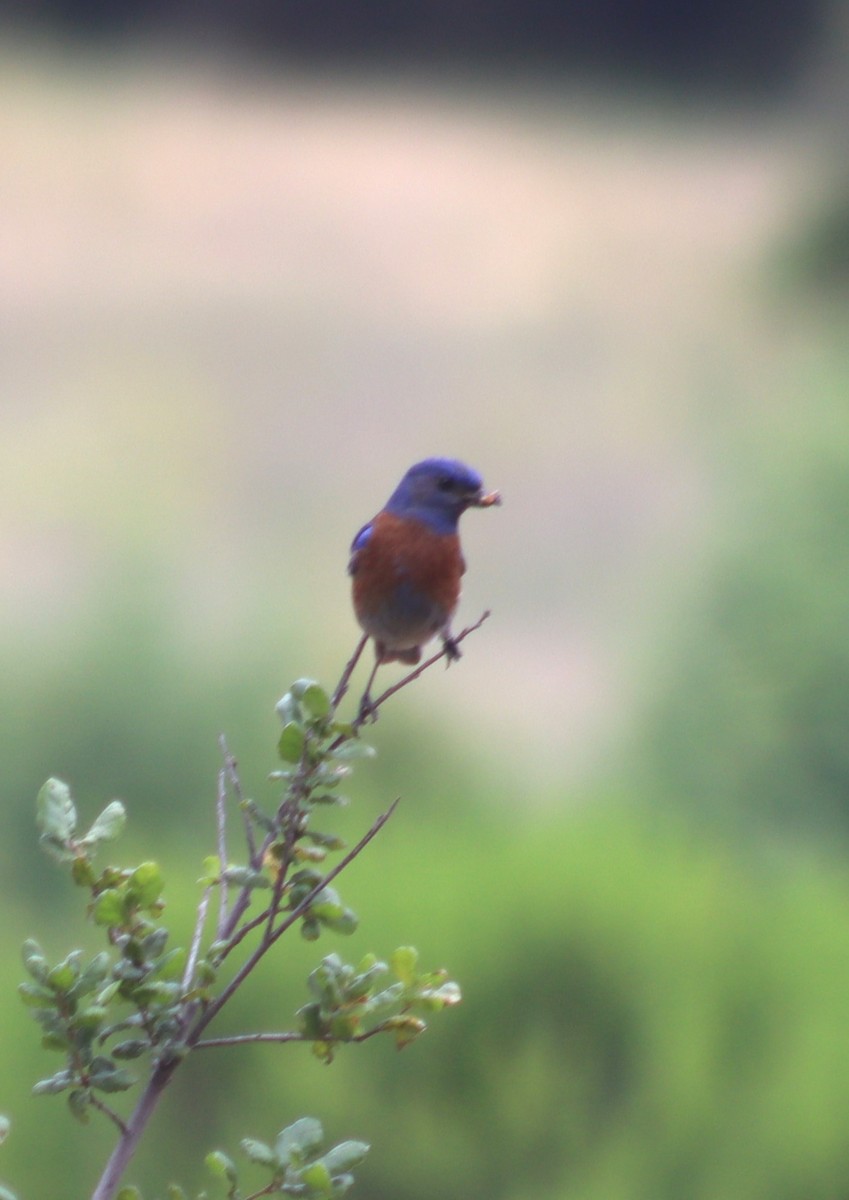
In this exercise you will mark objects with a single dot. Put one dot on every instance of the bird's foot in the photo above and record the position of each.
(452, 650)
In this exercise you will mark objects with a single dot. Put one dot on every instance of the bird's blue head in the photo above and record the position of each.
(438, 491)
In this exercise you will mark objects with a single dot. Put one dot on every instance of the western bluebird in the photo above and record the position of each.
(407, 564)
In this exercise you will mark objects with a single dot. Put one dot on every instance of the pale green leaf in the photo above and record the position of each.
(108, 826)
(300, 1140)
(56, 815)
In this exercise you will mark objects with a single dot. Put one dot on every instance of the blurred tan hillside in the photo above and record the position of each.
(235, 307)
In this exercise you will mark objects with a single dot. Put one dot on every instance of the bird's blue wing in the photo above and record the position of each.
(357, 545)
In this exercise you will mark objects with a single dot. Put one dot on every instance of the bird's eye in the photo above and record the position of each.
(446, 483)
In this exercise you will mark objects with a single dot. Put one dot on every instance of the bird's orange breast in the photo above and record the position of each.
(405, 574)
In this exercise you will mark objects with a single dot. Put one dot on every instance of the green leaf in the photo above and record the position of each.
(327, 906)
(310, 1021)
(329, 798)
(331, 776)
(328, 841)
(132, 1048)
(82, 872)
(314, 854)
(354, 749)
(403, 962)
(326, 980)
(406, 1029)
(34, 960)
(345, 1026)
(259, 1152)
(246, 877)
(79, 1102)
(300, 686)
(49, 1019)
(172, 965)
(205, 972)
(146, 884)
(107, 995)
(154, 943)
(290, 747)
(346, 923)
(106, 1077)
(56, 815)
(444, 996)
(368, 972)
(108, 826)
(304, 881)
(345, 1156)
(317, 1178)
(289, 710)
(108, 908)
(89, 1020)
(91, 976)
(211, 870)
(64, 975)
(386, 1000)
(313, 697)
(221, 1165)
(175, 1192)
(56, 1083)
(257, 815)
(299, 1140)
(153, 991)
(55, 1041)
(34, 995)
(117, 1081)
(129, 1193)
(310, 929)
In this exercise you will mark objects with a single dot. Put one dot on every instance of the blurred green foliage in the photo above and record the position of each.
(750, 731)
(645, 1014)
(819, 256)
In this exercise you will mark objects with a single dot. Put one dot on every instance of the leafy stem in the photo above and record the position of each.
(141, 999)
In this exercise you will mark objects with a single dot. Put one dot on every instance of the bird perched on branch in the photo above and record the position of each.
(407, 564)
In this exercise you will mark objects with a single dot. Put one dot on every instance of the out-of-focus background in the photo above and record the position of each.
(255, 260)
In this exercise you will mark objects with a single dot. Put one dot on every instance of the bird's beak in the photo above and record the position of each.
(486, 499)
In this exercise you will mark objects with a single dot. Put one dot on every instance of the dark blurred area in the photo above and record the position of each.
(757, 47)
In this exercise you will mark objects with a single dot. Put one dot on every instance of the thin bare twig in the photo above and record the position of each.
(301, 908)
(255, 857)
(268, 1190)
(244, 1039)
(373, 705)
(342, 685)
(232, 769)
(242, 933)
(108, 1112)
(191, 961)
(133, 1130)
(268, 940)
(221, 829)
(279, 884)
